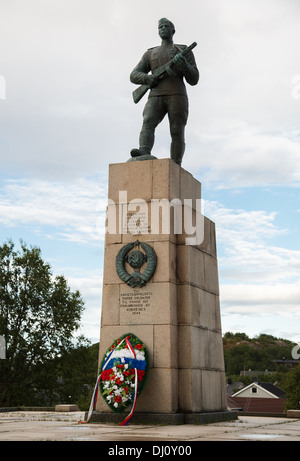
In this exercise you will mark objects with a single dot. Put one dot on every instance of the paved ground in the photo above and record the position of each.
(51, 426)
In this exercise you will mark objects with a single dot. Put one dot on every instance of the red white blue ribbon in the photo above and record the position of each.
(130, 347)
(128, 418)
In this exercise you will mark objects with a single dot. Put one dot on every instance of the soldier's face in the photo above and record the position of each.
(165, 30)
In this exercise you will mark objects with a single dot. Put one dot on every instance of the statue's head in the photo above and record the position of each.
(166, 28)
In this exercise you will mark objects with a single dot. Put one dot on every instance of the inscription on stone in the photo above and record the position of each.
(135, 302)
(137, 222)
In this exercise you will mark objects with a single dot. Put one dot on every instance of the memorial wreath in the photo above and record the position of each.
(122, 374)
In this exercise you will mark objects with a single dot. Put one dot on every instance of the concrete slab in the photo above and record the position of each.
(53, 426)
(66, 407)
(293, 413)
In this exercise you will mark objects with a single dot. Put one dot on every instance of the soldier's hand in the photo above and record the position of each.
(180, 62)
(151, 80)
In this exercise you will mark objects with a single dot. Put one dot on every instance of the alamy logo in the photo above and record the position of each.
(296, 352)
(157, 217)
(2, 87)
(2, 347)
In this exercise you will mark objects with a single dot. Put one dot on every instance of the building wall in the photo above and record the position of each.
(262, 405)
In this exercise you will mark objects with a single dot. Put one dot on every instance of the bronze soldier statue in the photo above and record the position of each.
(168, 64)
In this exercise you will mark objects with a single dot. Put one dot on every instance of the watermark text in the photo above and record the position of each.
(156, 217)
(296, 352)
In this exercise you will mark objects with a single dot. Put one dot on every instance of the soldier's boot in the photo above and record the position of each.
(139, 152)
(177, 151)
(146, 144)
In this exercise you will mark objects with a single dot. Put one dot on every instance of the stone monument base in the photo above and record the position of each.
(176, 313)
(170, 419)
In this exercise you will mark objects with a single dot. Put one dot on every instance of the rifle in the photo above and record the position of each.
(161, 73)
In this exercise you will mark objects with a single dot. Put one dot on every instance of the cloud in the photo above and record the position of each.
(266, 308)
(245, 157)
(257, 278)
(245, 244)
(243, 154)
(282, 298)
(69, 109)
(90, 287)
(75, 211)
(68, 113)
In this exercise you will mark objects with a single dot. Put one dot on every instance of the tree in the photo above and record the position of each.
(38, 317)
(291, 386)
(259, 353)
(236, 336)
(77, 373)
(68, 378)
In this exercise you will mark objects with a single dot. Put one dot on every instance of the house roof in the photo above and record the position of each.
(273, 389)
(231, 386)
(270, 388)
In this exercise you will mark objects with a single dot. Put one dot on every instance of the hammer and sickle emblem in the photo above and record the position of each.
(136, 258)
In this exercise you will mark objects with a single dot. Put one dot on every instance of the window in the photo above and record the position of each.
(254, 390)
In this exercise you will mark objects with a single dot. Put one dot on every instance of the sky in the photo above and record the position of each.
(66, 113)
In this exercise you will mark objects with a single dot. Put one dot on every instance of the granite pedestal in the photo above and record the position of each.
(177, 313)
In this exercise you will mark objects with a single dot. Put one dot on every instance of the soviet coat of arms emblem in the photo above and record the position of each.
(131, 254)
